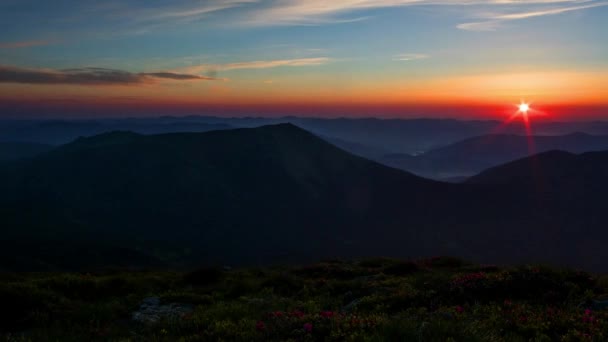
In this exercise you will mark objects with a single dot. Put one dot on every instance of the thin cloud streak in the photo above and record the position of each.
(89, 76)
(497, 20)
(24, 44)
(406, 57)
(322, 12)
(187, 13)
(299, 62)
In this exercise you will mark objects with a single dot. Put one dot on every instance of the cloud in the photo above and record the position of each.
(175, 76)
(213, 68)
(133, 18)
(274, 63)
(192, 12)
(24, 44)
(87, 76)
(497, 20)
(410, 57)
(320, 12)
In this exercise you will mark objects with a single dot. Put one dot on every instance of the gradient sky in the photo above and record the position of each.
(359, 56)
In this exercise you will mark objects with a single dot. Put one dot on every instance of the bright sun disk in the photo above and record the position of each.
(524, 108)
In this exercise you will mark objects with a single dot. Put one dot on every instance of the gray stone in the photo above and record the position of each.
(348, 308)
(151, 312)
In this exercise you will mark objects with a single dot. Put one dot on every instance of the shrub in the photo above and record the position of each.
(401, 268)
(203, 276)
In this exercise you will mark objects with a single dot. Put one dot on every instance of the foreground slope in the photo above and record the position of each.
(439, 299)
(562, 187)
(10, 151)
(579, 180)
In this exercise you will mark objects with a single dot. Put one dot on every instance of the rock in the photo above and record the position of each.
(151, 312)
(151, 301)
(599, 304)
(348, 308)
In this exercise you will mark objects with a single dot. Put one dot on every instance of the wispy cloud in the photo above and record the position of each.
(24, 44)
(298, 62)
(496, 21)
(89, 76)
(190, 11)
(137, 19)
(406, 57)
(320, 12)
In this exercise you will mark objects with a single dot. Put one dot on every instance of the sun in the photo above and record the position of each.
(524, 107)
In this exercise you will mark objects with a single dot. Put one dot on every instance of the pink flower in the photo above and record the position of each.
(278, 314)
(327, 314)
(588, 317)
(459, 309)
(296, 313)
(260, 326)
(308, 327)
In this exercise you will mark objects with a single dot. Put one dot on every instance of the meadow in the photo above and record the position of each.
(438, 299)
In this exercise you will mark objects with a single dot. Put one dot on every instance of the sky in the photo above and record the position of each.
(304, 57)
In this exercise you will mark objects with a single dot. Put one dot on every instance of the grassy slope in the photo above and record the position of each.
(440, 299)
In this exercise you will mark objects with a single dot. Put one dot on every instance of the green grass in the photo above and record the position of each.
(441, 299)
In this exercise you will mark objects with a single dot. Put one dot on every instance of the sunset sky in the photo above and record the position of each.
(359, 57)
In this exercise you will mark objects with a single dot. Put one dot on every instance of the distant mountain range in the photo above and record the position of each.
(473, 155)
(274, 194)
(401, 136)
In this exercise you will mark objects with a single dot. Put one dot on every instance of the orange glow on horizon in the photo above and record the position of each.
(476, 96)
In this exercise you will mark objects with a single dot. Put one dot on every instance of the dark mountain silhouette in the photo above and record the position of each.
(266, 195)
(57, 132)
(473, 155)
(565, 188)
(410, 136)
(571, 176)
(404, 136)
(17, 150)
(357, 149)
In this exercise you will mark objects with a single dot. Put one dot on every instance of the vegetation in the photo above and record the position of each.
(439, 299)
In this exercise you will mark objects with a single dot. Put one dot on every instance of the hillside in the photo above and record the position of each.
(579, 179)
(17, 150)
(438, 299)
(473, 155)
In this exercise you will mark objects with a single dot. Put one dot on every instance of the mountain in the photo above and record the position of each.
(273, 194)
(57, 132)
(473, 155)
(554, 172)
(357, 149)
(565, 188)
(394, 136)
(17, 150)
(269, 193)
